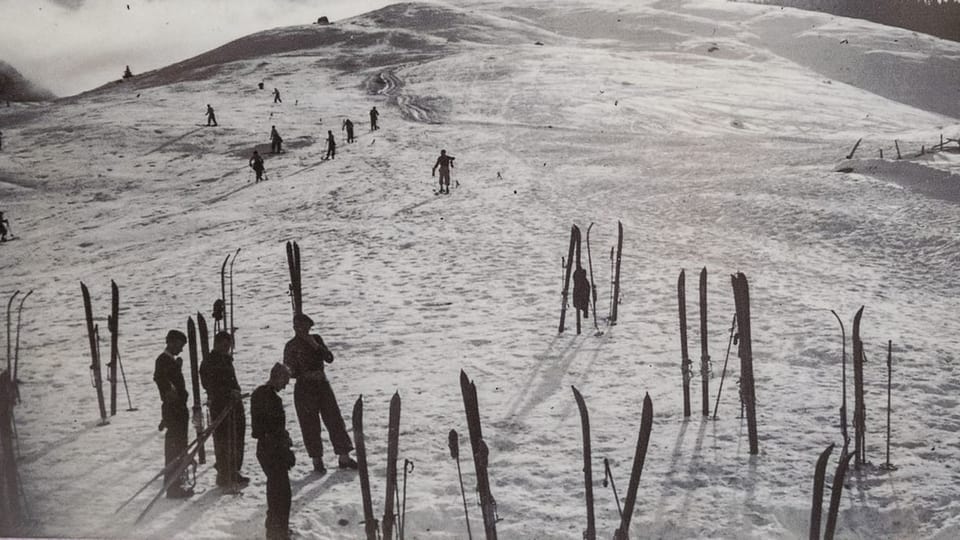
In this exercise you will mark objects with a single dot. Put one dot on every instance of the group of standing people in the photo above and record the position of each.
(304, 359)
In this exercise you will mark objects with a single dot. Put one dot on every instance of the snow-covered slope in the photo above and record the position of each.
(698, 124)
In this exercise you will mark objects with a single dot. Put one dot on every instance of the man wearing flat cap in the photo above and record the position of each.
(168, 375)
(305, 355)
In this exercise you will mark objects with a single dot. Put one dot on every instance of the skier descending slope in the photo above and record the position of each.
(445, 163)
(174, 415)
(305, 356)
(256, 163)
(211, 117)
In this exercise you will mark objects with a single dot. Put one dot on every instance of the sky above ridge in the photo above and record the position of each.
(70, 46)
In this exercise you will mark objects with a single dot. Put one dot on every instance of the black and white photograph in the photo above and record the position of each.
(480, 269)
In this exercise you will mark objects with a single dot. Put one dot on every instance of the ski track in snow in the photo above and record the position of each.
(721, 159)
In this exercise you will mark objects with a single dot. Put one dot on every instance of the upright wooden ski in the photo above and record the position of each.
(646, 424)
(685, 363)
(566, 278)
(859, 407)
(817, 506)
(113, 326)
(195, 386)
(393, 443)
(95, 373)
(591, 532)
(370, 524)
(741, 296)
(836, 493)
(481, 454)
(616, 276)
(593, 284)
(293, 263)
(9, 322)
(704, 354)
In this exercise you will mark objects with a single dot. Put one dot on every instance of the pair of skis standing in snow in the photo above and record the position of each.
(584, 289)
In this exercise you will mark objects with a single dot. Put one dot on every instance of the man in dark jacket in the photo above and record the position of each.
(276, 141)
(348, 127)
(313, 397)
(211, 116)
(331, 145)
(223, 392)
(256, 163)
(374, 116)
(168, 375)
(268, 425)
(445, 163)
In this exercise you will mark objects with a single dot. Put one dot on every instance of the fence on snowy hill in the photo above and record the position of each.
(10, 510)
(945, 145)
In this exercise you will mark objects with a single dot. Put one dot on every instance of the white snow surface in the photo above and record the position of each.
(723, 159)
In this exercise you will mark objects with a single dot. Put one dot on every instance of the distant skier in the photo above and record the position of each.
(276, 96)
(268, 426)
(331, 145)
(1, 136)
(211, 117)
(348, 126)
(174, 416)
(313, 397)
(256, 163)
(374, 115)
(223, 391)
(4, 224)
(275, 140)
(445, 163)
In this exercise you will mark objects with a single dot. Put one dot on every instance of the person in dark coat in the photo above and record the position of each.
(256, 163)
(175, 418)
(374, 115)
(268, 425)
(348, 127)
(275, 140)
(211, 117)
(331, 145)
(313, 398)
(445, 163)
(223, 391)
(276, 96)
(4, 226)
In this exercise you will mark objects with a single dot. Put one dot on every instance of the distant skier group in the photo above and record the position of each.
(256, 162)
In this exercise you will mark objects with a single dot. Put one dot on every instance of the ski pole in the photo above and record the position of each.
(733, 326)
(125, 387)
(454, 442)
(608, 475)
(407, 467)
(889, 466)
